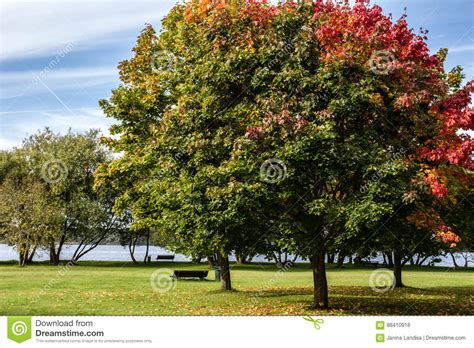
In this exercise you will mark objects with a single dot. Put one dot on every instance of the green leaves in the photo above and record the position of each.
(50, 180)
(238, 85)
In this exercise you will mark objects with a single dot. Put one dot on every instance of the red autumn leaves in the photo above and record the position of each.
(352, 35)
(452, 145)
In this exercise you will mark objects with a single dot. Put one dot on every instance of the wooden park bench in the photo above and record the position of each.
(165, 257)
(368, 263)
(190, 274)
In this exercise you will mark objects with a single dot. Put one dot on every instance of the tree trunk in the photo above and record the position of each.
(225, 272)
(53, 257)
(384, 258)
(24, 253)
(422, 261)
(340, 260)
(397, 269)
(390, 260)
(131, 247)
(277, 258)
(212, 260)
(60, 247)
(350, 259)
(32, 254)
(331, 257)
(319, 280)
(86, 246)
(454, 260)
(240, 259)
(416, 259)
(145, 259)
(55, 254)
(79, 247)
(21, 258)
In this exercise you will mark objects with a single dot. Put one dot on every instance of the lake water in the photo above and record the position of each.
(119, 253)
(103, 253)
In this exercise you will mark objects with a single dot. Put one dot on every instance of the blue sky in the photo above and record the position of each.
(74, 47)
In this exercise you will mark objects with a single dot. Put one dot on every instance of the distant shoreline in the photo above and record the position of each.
(118, 253)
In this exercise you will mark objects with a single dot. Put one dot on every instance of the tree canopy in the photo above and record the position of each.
(245, 125)
(49, 197)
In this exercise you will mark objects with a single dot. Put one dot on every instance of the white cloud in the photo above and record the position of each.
(44, 28)
(35, 28)
(57, 74)
(462, 48)
(6, 144)
(20, 83)
(59, 120)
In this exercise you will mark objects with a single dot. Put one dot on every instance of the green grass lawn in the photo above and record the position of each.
(115, 288)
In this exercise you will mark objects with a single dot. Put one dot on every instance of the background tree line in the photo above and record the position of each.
(255, 129)
(302, 128)
(48, 198)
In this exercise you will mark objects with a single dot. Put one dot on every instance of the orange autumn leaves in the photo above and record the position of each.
(430, 220)
(260, 12)
(351, 35)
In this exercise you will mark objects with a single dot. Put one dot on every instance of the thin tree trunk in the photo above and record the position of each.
(331, 257)
(212, 260)
(145, 260)
(21, 258)
(23, 254)
(397, 269)
(225, 272)
(277, 258)
(340, 260)
(81, 249)
(240, 259)
(390, 260)
(422, 261)
(32, 254)
(52, 252)
(319, 279)
(60, 247)
(131, 248)
(350, 259)
(417, 260)
(53, 257)
(454, 259)
(55, 254)
(78, 250)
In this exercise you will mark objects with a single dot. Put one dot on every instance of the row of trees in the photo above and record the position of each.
(304, 127)
(309, 129)
(48, 198)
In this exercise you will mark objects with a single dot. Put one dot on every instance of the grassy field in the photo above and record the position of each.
(115, 288)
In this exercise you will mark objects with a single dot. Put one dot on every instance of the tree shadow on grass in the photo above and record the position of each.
(357, 300)
(192, 280)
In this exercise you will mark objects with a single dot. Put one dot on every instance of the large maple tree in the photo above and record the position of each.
(332, 92)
